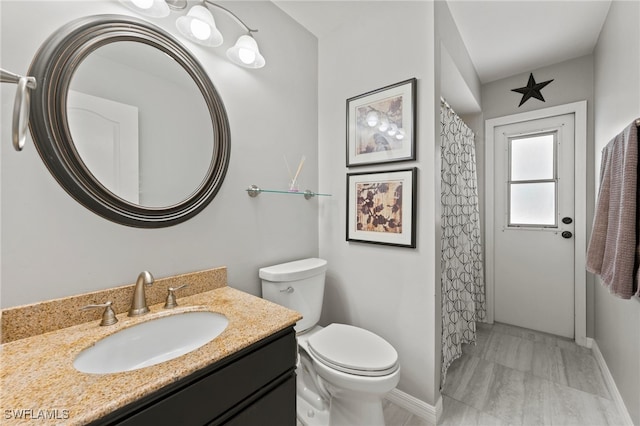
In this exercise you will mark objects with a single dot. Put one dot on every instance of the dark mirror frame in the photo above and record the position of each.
(54, 65)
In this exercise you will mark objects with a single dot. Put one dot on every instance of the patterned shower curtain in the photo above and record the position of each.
(463, 290)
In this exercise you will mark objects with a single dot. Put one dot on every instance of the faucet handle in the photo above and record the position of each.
(171, 297)
(108, 316)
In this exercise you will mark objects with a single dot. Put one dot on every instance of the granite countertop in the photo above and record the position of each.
(38, 377)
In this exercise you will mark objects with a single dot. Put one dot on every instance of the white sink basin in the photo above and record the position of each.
(151, 342)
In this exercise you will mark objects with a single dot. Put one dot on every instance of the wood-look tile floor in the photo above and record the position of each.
(516, 376)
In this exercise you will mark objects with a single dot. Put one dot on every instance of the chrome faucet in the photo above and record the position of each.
(139, 301)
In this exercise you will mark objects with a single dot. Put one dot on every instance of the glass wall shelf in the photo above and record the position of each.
(254, 191)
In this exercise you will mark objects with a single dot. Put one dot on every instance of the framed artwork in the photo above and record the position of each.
(381, 125)
(381, 207)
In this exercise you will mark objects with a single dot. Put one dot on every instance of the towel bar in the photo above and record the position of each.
(20, 106)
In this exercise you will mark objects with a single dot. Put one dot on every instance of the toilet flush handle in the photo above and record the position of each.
(287, 290)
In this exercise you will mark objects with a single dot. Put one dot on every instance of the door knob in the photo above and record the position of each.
(567, 234)
(567, 220)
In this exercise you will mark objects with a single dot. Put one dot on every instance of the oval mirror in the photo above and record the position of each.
(128, 122)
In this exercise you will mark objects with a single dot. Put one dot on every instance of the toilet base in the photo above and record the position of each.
(309, 415)
(343, 412)
(349, 410)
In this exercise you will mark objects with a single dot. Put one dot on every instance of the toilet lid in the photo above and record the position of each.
(353, 350)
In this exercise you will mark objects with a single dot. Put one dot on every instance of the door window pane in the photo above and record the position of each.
(532, 157)
(532, 204)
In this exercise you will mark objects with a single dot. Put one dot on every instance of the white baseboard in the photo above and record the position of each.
(588, 343)
(611, 384)
(425, 411)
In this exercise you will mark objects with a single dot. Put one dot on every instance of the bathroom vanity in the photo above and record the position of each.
(242, 377)
(252, 385)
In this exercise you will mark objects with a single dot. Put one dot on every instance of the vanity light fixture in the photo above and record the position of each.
(150, 8)
(245, 53)
(199, 26)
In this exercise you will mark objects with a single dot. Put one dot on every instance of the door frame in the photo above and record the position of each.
(579, 109)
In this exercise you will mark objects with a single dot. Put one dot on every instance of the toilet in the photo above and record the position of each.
(343, 371)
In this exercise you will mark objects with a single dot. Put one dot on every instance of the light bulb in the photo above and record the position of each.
(143, 4)
(200, 30)
(199, 26)
(151, 8)
(392, 130)
(247, 56)
(246, 53)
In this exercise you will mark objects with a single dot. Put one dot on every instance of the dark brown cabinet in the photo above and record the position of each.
(255, 386)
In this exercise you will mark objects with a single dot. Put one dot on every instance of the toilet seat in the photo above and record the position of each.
(353, 350)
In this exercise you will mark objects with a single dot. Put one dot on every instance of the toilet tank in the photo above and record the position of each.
(297, 285)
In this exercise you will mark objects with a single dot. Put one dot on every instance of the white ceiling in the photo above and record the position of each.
(503, 38)
(321, 17)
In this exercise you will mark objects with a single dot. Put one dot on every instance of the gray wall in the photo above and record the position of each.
(389, 290)
(617, 97)
(53, 247)
(572, 82)
(459, 82)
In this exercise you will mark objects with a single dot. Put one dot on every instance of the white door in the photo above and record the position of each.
(534, 224)
(105, 133)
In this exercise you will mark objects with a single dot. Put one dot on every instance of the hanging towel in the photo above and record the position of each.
(612, 251)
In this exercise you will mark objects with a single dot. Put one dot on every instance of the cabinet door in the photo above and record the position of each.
(221, 390)
(277, 407)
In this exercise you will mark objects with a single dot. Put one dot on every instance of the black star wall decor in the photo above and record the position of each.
(531, 90)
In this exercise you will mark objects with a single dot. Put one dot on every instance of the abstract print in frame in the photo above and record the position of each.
(381, 125)
(381, 207)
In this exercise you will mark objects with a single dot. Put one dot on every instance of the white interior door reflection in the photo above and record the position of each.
(105, 134)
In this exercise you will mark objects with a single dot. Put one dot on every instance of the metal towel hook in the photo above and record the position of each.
(20, 106)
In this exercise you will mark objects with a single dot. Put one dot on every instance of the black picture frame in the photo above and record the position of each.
(381, 207)
(381, 125)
